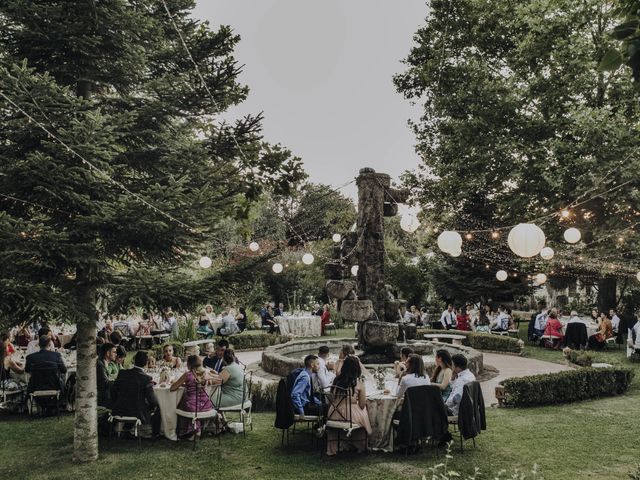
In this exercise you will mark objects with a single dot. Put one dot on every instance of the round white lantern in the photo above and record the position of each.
(308, 259)
(449, 241)
(336, 237)
(354, 270)
(547, 253)
(456, 253)
(277, 268)
(409, 223)
(540, 278)
(638, 276)
(526, 240)
(254, 247)
(205, 262)
(572, 235)
(501, 275)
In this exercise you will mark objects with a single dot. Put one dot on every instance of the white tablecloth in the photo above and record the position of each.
(592, 328)
(380, 408)
(307, 326)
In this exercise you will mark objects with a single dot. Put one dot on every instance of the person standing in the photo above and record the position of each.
(448, 318)
(325, 318)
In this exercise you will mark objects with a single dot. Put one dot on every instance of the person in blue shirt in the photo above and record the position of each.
(305, 401)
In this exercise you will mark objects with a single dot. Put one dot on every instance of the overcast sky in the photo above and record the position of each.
(322, 73)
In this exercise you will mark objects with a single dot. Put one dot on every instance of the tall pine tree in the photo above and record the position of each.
(154, 171)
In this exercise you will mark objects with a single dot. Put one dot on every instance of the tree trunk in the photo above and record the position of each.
(85, 432)
(607, 293)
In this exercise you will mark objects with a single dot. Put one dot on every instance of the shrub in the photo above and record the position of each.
(582, 358)
(566, 387)
(483, 341)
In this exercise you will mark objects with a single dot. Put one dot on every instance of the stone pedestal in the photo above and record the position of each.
(379, 334)
(358, 311)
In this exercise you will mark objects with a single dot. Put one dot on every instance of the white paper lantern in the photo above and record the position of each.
(540, 278)
(456, 253)
(638, 276)
(308, 259)
(336, 237)
(409, 223)
(526, 240)
(547, 253)
(254, 247)
(572, 235)
(277, 268)
(449, 241)
(354, 270)
(205, 262)
(501, 275)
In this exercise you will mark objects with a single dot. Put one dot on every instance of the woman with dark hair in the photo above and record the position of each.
(241, 319)
(347, 350)
(230, 381)
(415, 375)
(462, 320)
(353, 408)
(442, 374)
(168, 358)
(9, 382)
(195, 397)
(598, 340)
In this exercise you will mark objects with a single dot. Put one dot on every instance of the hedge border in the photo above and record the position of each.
(486, 342)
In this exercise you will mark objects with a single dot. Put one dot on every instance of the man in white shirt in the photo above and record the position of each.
(633, 342)
(541, 322)
(463, 376)
(615, 320)
(448, 318)
(324, 375)
(501, 323)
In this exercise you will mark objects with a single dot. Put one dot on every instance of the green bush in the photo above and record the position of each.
(582, 358)
(566, 387)
(482, 341)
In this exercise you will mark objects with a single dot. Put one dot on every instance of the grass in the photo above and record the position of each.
(592, 439)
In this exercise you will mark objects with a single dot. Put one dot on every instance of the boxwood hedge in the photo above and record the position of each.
(482, 341)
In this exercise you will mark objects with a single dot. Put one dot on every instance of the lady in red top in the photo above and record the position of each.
(325, 318)
(554, 329)
(462, 320)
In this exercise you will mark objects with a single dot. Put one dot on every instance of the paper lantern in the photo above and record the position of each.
(638, 276)
(254, 247)
(354, 270)
(547, 253)
(456, 253)
(277, 268)
(308, 259)
(540, 278)
(501, 275)
(205, 262)
(336, 237)
(526, 240)
(409, 223)
(449, 241)
(572, 235)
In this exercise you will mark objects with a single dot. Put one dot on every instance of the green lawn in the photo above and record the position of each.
(593, 439)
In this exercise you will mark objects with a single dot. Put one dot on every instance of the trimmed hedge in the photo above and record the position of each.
(566, 387)
(238, 342)
(482, 341)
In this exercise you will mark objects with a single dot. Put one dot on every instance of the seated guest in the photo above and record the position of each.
(303, 396)
(317, 310)
(34, 345)
(24, 336)
(346, 351)
(105, 373)
(400, 366)
(554, 329)
(230, 381)
(170, 323)
(267, 318)
(204, 325)
(216, 361)
(598, 340)
(241, 319)
(615, 321)
(484, 322)
(168, 359)
(325, 377)
(115, 338)
(462, 321)
(633, 340)
(211, 357)
(230, 326)
(157, 326)
(279, 310)
(195, 397)
(355, 405)
(462, 377)
(539, 324)
(441, 377)
(501, 322)
(574, 318)
(415, 375)
(5, 338)
(209, 312)
(121, 356)
(325, 318)
(10, 380)
(133, 396)
(46, 367)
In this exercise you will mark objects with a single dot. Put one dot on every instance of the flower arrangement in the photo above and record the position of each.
(379, 375)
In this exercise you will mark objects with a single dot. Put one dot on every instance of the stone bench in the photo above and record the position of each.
(455, 339)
